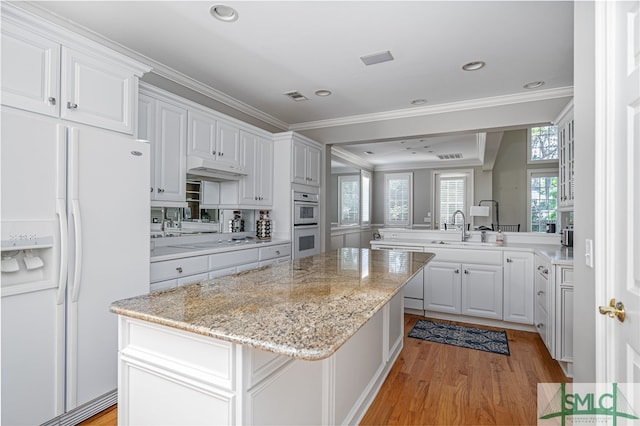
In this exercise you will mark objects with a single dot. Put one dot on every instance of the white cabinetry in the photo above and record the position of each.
(414, 292)
(214, 139)
(58, 75)
(306, 164)
(564, 313)
(163, 124)
(566, 135)
(518, 287)
(256, 188)
(471, 288)
(481, 291)
(442, 287)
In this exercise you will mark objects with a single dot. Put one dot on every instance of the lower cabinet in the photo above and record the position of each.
(414, 292)
(188, 270)
(564, 313)
(544, 300)
(473, 289)
(518, 287)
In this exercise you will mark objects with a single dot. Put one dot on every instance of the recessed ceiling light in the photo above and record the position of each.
(533, 84)
(377, 58)
(369, 152)
(223, 13)
(418, 102)
(323, 92)
(426, 147)
(473, 66)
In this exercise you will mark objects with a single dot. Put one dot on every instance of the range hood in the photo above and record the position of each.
(212, 170)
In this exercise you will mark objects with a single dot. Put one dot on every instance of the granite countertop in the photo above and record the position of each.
(304, 308)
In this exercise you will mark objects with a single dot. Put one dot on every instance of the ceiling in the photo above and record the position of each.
(304, 46)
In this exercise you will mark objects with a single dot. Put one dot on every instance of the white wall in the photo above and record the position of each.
(584, 364)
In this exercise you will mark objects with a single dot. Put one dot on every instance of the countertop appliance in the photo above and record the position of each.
(567, 237)
(84, 192)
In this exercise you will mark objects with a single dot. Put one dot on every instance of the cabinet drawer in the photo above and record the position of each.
(410, 303)
(177, 268)
(272, 252)
(483, 257)
(232, 258)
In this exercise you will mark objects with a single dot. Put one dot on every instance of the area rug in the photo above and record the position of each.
(463, 336)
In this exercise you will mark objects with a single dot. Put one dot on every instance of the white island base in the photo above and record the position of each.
(169, 376)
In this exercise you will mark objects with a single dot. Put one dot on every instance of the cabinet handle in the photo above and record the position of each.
(308, 178)
(545, 271)
(466, 271)
(52, 100)
(213, 153)
(509, 260)
(540, 268)
(179, 269)
(540, 325)
(71, 105)
(160, 190)
(278, 252)
(151, 189)
(540, 293)
(221, 154)
(457, 271)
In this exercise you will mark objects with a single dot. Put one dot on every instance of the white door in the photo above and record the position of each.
(264, 163)
(618, 209)
(248, 190)
(170, 152)
(442, 287)
(228, 144)
(202, 135)
(481, 291)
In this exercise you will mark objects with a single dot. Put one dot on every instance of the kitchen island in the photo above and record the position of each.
(307, 341)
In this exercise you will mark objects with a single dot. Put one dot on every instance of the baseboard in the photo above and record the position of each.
(85, 411)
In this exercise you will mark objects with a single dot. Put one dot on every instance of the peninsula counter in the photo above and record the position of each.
(308, 341)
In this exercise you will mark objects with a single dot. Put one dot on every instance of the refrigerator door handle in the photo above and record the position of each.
(64, 250)
(77, 226)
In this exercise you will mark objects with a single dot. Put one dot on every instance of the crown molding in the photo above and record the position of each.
(495, 101)
(427, 165)
(351, 158)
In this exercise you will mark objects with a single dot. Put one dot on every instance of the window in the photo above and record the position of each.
(543, 199)
(543, 144)
(398, 188)
(349, 201)
(452, 192)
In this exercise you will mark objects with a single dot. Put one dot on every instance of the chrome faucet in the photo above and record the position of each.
(465, 235)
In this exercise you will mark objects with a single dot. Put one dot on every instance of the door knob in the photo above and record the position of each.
(614, 310)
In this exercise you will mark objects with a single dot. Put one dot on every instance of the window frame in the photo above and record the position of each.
(548, 161)
(546, 173)
(436, 176)
(349, 178)
(365, 174)
(387, 177)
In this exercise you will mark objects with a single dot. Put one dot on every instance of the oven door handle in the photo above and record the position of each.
(306, 226)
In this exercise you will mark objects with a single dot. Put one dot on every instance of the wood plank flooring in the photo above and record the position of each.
(437, 384)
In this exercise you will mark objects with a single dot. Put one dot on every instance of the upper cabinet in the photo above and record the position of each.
(566, 182)
(306, 164)
(257, 159)
(214, 139)
(50, 71)
(164, 125)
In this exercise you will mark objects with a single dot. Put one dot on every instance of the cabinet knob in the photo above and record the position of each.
(52, 100)
(151, 189)
(308, 178)
(466, 271)
(540, 293)
(540, 268)
(213, 153)
(457, 271)
(278, 252)
(221, 154)
(540, 325)
(71, 105)
(179, 269)
(509, 260)
(160, 190)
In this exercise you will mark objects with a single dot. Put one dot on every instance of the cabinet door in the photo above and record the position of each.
(249, 147)
(313, 166)
(565, 324)
(228, 146)
(97, 92)
(170, 157)
(299, 166)
(518, 287)
(146, 131)
(30, 71)
(482, 291)
(201, 135)
(264, 163)
(442, 287)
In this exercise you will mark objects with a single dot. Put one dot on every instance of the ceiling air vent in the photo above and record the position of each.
(297, 96)
(449, 156)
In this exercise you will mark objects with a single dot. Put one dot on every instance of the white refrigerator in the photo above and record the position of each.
(75, 237)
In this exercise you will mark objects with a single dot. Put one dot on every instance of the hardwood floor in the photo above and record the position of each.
(437, 384)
